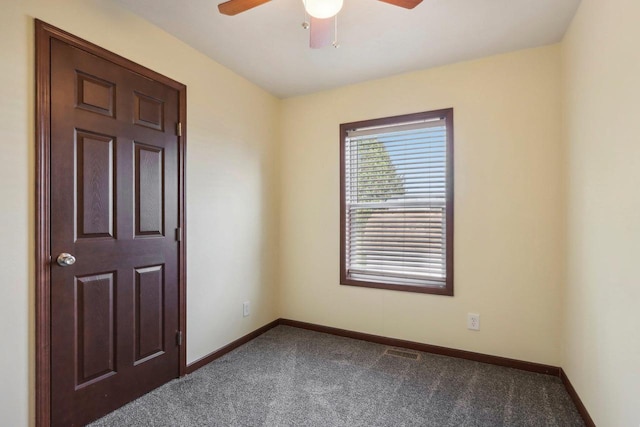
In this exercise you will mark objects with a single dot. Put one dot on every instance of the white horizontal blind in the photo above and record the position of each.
(395, 199)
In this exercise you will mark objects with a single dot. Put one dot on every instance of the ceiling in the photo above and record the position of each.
(269, 47)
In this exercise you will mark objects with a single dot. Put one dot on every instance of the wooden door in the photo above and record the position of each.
(115, 208)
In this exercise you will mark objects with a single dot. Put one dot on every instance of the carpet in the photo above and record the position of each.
(294, 377)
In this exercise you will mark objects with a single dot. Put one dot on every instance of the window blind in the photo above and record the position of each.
(395, 195)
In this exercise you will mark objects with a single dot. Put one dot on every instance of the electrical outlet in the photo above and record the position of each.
(245, 309)
(473, 321)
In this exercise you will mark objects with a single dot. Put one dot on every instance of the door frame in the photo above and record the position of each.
(44, 34)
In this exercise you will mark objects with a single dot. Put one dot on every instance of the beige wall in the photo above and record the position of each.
(508, 207)
(230, 174)
(601, 70)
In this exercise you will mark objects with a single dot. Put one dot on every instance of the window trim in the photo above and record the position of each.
(447, 115)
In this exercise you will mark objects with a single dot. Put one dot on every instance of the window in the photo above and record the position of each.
(396, 207)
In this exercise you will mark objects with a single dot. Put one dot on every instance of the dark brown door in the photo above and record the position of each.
(114, 207)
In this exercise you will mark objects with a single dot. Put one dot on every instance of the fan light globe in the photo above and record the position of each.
(323, 9)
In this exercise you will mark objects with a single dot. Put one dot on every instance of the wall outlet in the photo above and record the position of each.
(473, 321)
(245, 309)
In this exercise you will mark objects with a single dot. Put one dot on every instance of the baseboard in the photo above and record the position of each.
(229, 347)
(428, 348)
(582, 410)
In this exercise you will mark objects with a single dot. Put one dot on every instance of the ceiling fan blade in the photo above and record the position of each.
(321, 32)
(407, 4)
(233, 7)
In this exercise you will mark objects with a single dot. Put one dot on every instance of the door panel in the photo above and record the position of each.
(95, 328)
(149, 315)
(114, 206)
(149, 171)
(96, 181)
(148, 112)
(95, 95)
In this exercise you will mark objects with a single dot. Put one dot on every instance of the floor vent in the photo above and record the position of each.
(402, 353)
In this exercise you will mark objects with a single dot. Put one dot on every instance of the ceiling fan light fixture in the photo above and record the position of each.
(323, 9)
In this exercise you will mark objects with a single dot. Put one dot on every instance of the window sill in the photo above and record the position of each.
(423, 289)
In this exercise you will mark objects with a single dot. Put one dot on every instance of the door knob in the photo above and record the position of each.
(65, 259)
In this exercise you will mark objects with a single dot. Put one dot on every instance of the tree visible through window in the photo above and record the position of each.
(377, 173)
(397, 203)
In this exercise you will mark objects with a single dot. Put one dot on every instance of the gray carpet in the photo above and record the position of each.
(294, 377)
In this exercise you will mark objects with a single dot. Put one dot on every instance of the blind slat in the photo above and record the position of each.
(383, 277)
(424, 166)
(421, 125)
(374, 163)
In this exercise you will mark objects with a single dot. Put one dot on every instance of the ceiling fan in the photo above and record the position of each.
(321, 12)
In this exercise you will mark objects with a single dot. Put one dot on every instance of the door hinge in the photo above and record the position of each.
(179, 337)
(179, 129)
(179, 234)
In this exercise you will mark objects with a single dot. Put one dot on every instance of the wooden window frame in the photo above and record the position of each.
(345, 279)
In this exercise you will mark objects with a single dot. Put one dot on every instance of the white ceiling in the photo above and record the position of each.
(268, 46)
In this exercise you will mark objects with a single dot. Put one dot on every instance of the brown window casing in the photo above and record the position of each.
(439, 286)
